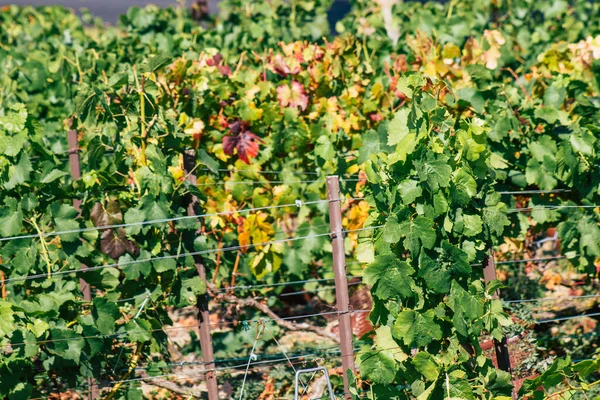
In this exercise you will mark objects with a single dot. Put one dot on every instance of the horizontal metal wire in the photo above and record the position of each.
(174, 256)
(276, 182)
(550, 207)
(196, 373)
(545, 321)
(526, 260)
(175, 364)
(316, 290)
(249, 287)
(517, 192)
(170, 328)
(160, 221)
(586, 296)
(218, 183)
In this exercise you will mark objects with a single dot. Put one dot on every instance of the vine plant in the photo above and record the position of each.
(433, 190)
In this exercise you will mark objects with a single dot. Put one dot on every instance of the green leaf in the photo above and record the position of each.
(435, 276)
(583, 143)
(409, 190)
(548, 114)
(392, 231)
(416, 329)
(586, 368)
(53, 175)
(324, 148)
(66, 344)
(418, 232)
(191, 288)
(378, 366)
(63, 224)
(167, 264)
(426, 364)
(465, 187)
(370, 145)
(398, 127)
(208, 161)
(390, 277)
(473, 225)
(6, 318)
(458, 387)
(11, 224)
(105, 314)
(436, 173)
(554, 96)
(134, 216)
(19, 173)
(385, 341)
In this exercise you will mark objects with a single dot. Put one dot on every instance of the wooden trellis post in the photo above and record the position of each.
(75, 167)
(501, 346)
(341, 280)
(189, 164)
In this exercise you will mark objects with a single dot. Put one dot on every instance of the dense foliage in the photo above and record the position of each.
(439, 107)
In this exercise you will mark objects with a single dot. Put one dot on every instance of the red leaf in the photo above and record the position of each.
(245, 142)
(292, 96)
(224, 69)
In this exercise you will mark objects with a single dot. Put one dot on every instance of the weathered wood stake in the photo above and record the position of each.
(501, 346)
(74, 164)
(189, 163)
(341, 280)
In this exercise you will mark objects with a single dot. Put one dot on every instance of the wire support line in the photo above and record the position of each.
(174, 364)
(298, 204)
(268, 285)
(276, 182)
(518, 192)
(173, 256)
(265, 182)
(550, 207)
(251, 171)
(259, 334)
(585, 296)
(323, 289)
(525, 260)
(170, 328)
(545, 321)
(274, 285)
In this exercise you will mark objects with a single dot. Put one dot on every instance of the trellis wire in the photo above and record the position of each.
(179, 375)
(159, 221)
(587, 296)
(298, 203)
(526, 260)
(545, 321)
(277, 182)
(174, 364)
(518, 192)
(316, 290)
(550, 207)
(174, 256)
(115, 335)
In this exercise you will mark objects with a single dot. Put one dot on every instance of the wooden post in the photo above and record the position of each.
(74, 164)
(341, 280)
(501, 346)
(189, 163)
(199, 9)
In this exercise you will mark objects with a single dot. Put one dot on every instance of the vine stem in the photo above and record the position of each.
(44, 247)
(570, 388)
(235, 268)
(132, 366)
